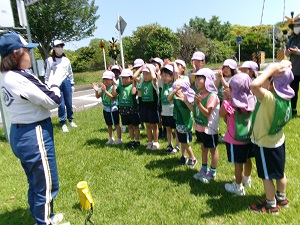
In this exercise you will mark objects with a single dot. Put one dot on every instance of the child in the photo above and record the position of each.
(251, 68)
(237, 106)
(206, 115)
(128, 108)
(149, 103)
(224, 75)
(198, 62)
(168, 121)
(181, 69)
(182, 96)
(272, 112)
(110, 109)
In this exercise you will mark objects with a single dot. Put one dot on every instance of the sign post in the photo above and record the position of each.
(239, 41)
(120, 26)
(23, 22)
(102, 45)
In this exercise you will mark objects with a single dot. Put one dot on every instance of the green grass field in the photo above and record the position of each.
(140, 186)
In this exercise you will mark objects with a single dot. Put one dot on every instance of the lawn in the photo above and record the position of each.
(140, 186)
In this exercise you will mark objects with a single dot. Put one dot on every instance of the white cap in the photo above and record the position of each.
(56, 43)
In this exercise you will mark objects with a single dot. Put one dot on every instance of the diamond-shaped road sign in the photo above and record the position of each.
(122, 25)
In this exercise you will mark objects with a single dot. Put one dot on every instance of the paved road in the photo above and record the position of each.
(84, 98)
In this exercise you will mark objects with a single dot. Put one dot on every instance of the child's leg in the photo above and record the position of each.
(204, 155)
(188, 149)
(169, 135)
(176, 136)
(131, 132)
(119, 132)
(238, 172)
(136, 132)
(110, 131)
(269, 189)
(154, 131)
(214, 157)
(281, 185)
(149, 132)
(248, 168)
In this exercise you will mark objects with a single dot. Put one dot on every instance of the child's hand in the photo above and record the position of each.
(114, 81)
(180, 96)
(198, 97)
(193, 65)
(95, 86)
(103, 87)
(278, 69)
(226, 94)
(219, 74)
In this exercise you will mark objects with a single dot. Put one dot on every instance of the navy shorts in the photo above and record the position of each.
(131, 119)
(238, 153)
(184, 137)
(270, 162)
(111, 118)
(149, 116)
(168, 121)
(208, 140)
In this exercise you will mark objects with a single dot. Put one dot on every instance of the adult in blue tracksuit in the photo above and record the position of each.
(29, 102)
(59, 59)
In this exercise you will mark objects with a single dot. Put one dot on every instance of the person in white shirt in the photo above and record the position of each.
(59, 59)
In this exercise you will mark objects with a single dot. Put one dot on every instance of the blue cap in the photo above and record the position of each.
(12, 41)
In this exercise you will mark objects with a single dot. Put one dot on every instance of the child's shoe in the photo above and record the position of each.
(149, 146)
(169, 149)
(208, 177)
(201, 174)
(265, 208)
(110, 141)
(280, 203)
(233, 188)
(155, 146)
(117, 142)
(192, 162)
(175, 150)
(183, 160)
(247, 182)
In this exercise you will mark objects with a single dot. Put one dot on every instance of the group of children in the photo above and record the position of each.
(254, 108)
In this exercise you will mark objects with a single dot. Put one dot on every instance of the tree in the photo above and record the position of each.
(191, 41)
(83, 59)
(153, 40)
(213, 29)
(68, 20)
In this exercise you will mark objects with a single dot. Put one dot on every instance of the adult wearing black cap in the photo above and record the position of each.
(293, 51)
(29, 102)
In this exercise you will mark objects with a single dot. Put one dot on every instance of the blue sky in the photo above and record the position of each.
(174, 14)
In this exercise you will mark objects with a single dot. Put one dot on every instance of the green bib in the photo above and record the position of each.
(242, 126)
(166, 90)
(147, 91)
(199, 118)
(283, 113)
(125, 96)
(106, 101)
(183, 115)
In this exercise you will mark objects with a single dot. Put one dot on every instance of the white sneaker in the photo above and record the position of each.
(65, 128)
(149, 146)
(57, 219)
(72, 124)
(117, 142)
(110, 141)
(232, 188)
(247, 182)
(155, 146)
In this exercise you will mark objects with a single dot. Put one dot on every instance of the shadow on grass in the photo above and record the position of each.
(96, 142)
(220, 202)
(18, 216)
